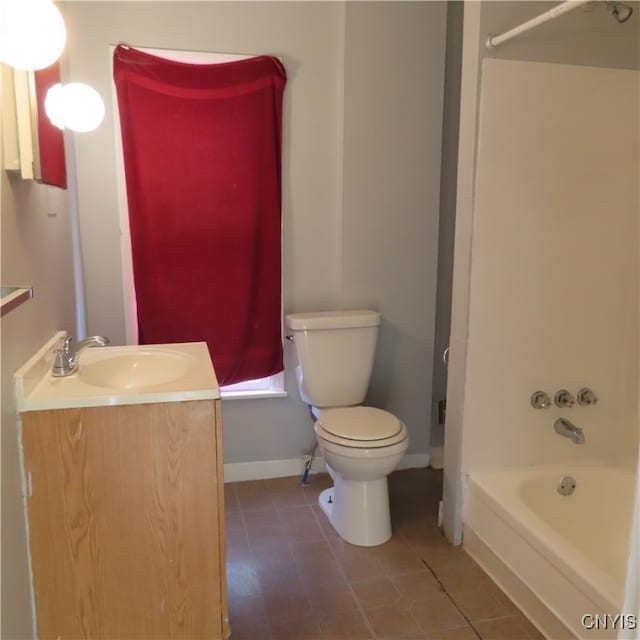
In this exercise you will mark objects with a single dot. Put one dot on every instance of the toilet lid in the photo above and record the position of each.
(360, 423)
(322, 434)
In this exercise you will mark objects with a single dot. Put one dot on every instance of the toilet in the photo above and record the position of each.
(361, 445)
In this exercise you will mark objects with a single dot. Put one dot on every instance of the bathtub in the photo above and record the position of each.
(558, 556)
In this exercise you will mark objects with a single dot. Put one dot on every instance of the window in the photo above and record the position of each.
(271, 387)
(263, 387)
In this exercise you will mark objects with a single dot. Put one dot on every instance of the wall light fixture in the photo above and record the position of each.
(32, 33)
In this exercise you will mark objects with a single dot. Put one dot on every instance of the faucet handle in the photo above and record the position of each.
(540, 400)
(62, 351)
(61, 359)
(564, 399)
(586, 397)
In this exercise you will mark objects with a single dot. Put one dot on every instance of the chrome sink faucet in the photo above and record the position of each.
(66, 360)
(569, 430)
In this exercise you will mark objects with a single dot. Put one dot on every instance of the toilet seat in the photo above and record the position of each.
(360, 427)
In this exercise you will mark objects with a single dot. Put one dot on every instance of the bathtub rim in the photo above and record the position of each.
(598, 586)
(538, 612)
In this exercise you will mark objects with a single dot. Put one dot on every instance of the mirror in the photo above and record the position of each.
(33, 146)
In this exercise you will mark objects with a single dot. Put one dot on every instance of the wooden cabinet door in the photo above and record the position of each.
(125, 521)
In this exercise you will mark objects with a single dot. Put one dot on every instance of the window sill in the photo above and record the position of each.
(252, 395)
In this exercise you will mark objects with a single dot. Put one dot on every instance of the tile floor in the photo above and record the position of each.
(290, 576)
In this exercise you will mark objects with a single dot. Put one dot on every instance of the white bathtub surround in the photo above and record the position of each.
(553, 304)
(570, 551)
(554, 279)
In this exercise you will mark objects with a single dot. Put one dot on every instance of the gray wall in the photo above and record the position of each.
(364, 92)
(332, 249)
(309, 38)
(394, 74)
(36, 251)
(446, 229)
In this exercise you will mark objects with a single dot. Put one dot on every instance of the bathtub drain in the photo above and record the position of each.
(567, 486)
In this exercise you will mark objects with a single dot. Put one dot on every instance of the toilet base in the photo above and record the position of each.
(358, 511)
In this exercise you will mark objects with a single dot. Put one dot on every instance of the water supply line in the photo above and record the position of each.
(307, 459)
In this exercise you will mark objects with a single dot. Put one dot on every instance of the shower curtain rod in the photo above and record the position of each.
(565, 7)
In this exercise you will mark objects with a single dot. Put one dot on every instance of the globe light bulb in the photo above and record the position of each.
(32, 33)
(75, 106)
(54, 105)
(83, 107)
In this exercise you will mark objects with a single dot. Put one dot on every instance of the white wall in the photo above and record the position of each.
(554, 276)
(36, 251)
(377, 68)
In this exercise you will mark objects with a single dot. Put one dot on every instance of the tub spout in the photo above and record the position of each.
(569, 430)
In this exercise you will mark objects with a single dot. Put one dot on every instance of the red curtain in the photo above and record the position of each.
(50, 139)
(202, 155)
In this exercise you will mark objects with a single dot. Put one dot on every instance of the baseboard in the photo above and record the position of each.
(263, 469)
(437, 457)
(414, 461)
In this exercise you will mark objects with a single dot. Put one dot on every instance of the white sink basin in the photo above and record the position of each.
(106, 376)
(138, 370)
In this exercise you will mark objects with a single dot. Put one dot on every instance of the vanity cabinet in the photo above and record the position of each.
(126, 520)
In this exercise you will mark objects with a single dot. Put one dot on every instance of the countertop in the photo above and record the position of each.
(37, 390)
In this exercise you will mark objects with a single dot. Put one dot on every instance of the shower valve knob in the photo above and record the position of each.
(564, 399)
(586, 397)
(540, 400)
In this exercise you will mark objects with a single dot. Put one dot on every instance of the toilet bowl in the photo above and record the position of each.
(361, 446)
(334, 353)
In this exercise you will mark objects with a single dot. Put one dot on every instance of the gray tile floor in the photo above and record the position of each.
(291, 577)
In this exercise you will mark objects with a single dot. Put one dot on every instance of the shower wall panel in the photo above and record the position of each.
(554, 271)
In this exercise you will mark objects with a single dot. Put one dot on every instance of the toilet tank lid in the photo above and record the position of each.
(350, 318)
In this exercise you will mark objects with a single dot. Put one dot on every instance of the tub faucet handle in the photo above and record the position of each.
(586, 397)
(540, 400)
(564, 399)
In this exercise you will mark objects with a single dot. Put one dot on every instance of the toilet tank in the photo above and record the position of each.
(334, 355)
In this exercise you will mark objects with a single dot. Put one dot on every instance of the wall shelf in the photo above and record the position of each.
(11, 297)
